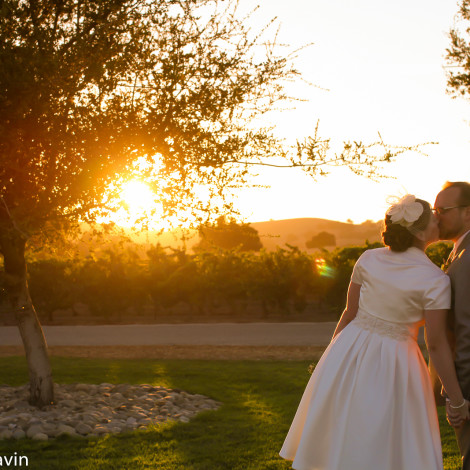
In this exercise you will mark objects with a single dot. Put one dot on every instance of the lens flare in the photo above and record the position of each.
(323, 269)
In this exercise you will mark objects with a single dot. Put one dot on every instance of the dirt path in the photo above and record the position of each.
(195, 334)
(290, 353)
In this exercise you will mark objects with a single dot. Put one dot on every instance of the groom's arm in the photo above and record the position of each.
(461, 291)
(438, 389)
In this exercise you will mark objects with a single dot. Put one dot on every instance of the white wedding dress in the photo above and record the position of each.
(369, 404)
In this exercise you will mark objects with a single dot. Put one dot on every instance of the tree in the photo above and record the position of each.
(458, 54)
(95, 93)
(321, 240)
(228, 236)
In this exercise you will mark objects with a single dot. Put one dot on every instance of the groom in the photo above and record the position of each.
(452, 207)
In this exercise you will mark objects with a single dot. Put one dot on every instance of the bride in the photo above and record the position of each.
(369, 403)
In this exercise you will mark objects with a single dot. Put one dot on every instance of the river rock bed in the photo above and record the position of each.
(95, 410)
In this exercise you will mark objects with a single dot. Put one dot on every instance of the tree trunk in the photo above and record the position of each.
(40, 377)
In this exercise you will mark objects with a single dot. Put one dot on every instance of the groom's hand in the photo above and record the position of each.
(456, 417)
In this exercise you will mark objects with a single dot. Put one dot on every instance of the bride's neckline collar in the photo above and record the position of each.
(416, 249)
(409, 251)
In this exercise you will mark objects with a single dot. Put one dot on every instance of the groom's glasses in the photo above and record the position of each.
(444, 210)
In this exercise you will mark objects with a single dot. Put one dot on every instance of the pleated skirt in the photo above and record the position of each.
(368, 405)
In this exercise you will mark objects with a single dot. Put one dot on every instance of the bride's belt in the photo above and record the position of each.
(398, 331)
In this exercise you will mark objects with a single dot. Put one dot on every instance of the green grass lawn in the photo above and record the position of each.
(259, 400)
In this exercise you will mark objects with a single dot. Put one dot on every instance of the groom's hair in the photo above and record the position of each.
(464, 197)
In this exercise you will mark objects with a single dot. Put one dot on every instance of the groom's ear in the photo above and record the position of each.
(467, 214)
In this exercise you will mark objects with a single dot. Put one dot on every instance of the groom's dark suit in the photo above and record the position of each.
(459, 273)
(459, 325)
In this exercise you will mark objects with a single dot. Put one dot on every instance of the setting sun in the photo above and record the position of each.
(138, 196)
(139, 204)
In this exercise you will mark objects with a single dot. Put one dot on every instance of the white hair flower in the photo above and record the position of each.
(406, 211)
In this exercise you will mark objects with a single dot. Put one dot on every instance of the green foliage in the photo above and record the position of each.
(113, 283)
(109, 284)
(458, 53)
(340, 263)
(275, 279)
(50, 285)
(439, 252)
(117, 280)
(95, 93)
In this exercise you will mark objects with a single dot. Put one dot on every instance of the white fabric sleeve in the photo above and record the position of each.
(358, 272)
(437, 295)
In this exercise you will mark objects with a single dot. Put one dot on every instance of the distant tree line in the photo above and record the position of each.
(228, 235)
(321, 240)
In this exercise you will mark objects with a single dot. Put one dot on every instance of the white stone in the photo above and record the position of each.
(64, 429)
(92, 410)
(34, 429)
(100, 430)
(84, 429)
(7, 420)
(6, 434)
(18, 434)
(21, 404)
(145, 421)
(68, 403)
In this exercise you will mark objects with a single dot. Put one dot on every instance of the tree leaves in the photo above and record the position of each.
(458, 54)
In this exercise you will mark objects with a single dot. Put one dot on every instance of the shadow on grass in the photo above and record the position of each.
(258, 403)
(258, 399)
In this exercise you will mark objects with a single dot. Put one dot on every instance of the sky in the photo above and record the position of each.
(378, 67)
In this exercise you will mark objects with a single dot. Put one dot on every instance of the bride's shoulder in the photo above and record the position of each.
(436, 270)
(376, 252)
(373, 253)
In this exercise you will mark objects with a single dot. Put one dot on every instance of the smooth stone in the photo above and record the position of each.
(6, 434)
(64, 429)
(34, 429)
(145, 421)
(100, 430)
(92, 410)
(40, 436)
(7, 420)
(83, 428)
(68, 403)
(18, 434)
(21, 404)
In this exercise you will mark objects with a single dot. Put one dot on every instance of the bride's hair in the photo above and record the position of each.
(400, 238)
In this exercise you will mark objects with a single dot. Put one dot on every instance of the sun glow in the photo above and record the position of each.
(139, 206)
(138, 197)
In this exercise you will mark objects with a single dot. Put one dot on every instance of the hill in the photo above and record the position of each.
(292, 231)
(273, 233)
(298, 231)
